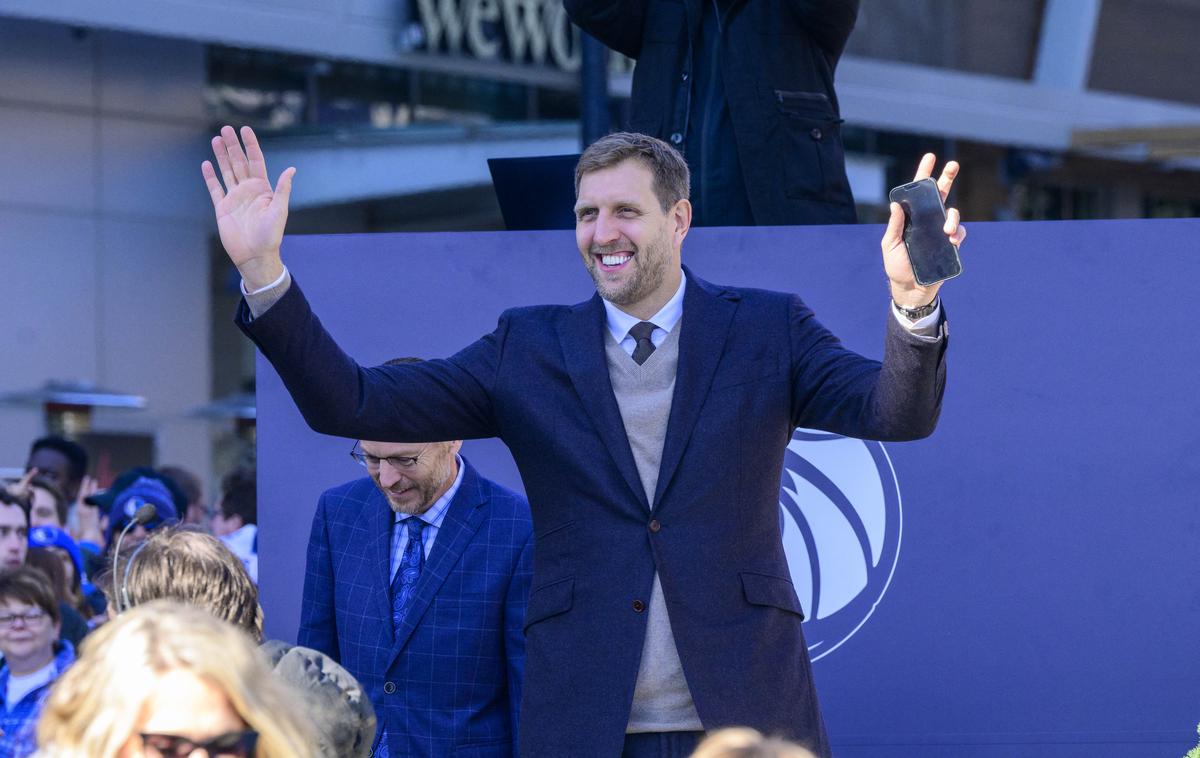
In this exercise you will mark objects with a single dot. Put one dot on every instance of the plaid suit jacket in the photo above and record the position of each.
(448, 682)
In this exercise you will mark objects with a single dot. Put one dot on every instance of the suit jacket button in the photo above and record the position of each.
(654, 525)
(639, 606)
(389, 688)
(676, 138)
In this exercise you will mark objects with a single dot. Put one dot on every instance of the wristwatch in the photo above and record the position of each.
(918, 313)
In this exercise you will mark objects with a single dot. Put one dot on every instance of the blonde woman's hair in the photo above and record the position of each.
(180, 563)
(94, 707)
(747, 743)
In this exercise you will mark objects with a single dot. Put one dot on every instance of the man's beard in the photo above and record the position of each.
(650, 268)
(425, 491)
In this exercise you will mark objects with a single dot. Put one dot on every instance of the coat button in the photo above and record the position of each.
(389, 688)
(654, 525)
(683, 76)
(815, 134)
(639, 606)
(676, 137)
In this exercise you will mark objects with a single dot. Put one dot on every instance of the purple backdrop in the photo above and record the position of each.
(1044, 600)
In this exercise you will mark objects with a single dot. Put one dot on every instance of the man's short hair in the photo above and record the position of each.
(179, 563)
(76, 456)
(31, 586)
(239, 495)
(669, 169)
(60, 500)
(9, 500)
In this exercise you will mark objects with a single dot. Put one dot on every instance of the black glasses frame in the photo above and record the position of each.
(228, 745)
(398, 462)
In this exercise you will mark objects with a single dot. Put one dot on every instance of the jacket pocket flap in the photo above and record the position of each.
(763, 589)
(814, 105)
(550, 600)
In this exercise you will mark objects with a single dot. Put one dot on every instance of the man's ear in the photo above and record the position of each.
(682, 215)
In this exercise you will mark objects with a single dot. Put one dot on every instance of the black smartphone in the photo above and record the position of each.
(933, 256)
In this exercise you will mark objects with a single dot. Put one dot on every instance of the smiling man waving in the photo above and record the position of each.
(660, 605)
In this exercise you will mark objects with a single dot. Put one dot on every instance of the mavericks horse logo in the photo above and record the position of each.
(841, 521)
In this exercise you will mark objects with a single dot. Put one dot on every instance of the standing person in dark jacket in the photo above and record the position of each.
(745, 91)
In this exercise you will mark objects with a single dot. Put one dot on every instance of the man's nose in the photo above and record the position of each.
(388, 475)
(606, 229)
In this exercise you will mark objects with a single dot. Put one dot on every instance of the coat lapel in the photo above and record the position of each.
(459, 525)
(707, 315)
(581, 334)
(379, 552)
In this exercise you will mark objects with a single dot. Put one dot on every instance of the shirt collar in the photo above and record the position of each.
(433, 517)
(620, 322)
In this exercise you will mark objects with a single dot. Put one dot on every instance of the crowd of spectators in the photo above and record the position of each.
(61, 585)
(157, 649)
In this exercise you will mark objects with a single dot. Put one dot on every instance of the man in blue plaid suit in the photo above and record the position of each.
(417, 581)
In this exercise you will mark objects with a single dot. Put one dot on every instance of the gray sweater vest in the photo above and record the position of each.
(661, 700)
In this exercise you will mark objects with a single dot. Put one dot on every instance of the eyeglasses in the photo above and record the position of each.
(397, 462)
(228, 745)
(29, 617)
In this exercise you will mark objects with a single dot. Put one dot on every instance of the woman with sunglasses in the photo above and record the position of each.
(165, 680)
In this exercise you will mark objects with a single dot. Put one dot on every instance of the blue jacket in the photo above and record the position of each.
(449, 683)
(18, 725)
(753, 366)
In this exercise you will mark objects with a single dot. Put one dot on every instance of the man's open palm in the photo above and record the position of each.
(250, 214)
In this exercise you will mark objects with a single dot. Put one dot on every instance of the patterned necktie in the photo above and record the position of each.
(641, 332)
(404, 583)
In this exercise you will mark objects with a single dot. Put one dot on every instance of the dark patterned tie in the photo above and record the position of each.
(404, 583)
(641, 332)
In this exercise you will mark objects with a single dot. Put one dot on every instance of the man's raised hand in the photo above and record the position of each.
(905, 290)
(250, 214)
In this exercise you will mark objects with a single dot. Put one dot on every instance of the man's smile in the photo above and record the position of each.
(613, 261)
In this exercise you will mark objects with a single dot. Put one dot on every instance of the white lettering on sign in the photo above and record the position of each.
(523, 24)
(446, 19)
(526, 30)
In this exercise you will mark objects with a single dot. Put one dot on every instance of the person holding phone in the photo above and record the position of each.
(660, 605)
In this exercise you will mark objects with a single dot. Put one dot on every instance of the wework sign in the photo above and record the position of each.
(533, 32)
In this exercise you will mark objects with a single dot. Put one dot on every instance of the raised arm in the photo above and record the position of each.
(616, 23)
(251, 214)
(828, 21)
(431, 401)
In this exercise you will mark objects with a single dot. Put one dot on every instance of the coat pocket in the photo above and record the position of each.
(490, 749)
(550, 600)
(773, 591)
(814, 159)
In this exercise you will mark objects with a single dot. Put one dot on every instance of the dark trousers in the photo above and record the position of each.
(661, 744)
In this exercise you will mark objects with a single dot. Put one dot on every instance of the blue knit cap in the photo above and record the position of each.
(144, 491)
(52, 536)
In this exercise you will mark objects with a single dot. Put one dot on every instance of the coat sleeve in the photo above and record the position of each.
(318, 616)
(616, 23)
(430, 401)
(837, 390)
(514, 632)
(828, 21)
